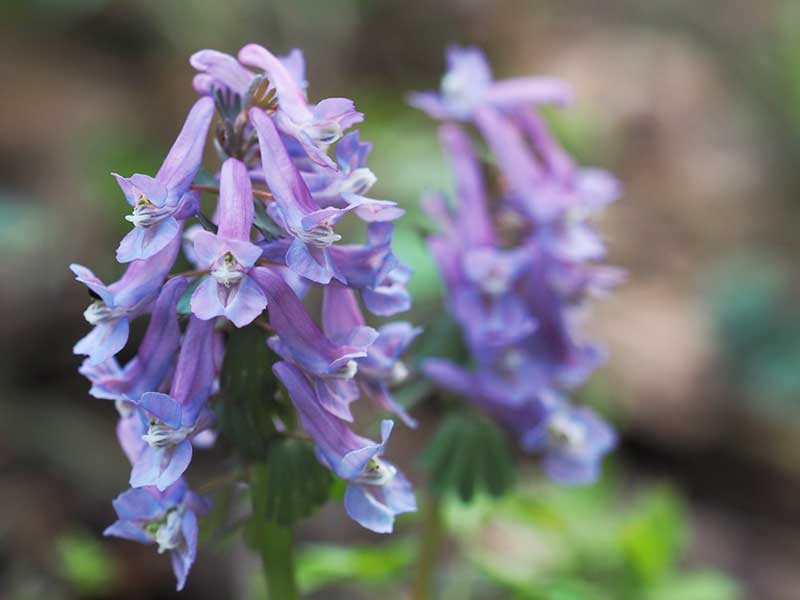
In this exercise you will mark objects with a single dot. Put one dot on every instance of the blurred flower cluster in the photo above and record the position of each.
(289, 174)
(519, 259)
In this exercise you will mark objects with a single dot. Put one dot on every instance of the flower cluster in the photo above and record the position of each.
(289, 173)
(518, 257)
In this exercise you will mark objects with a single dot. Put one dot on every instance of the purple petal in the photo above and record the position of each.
(365, 509)
(474, 222)
(235, 209)
(511, 93)
(104, 341)
(245, 303)
(334, 439)
(184, 158)
(340, 311)
(163, 407)
(300, 260)
(138, 505)
(223, 69)
(291, 97)
(205, 302)
(90, 280)
(144, 242)
(179, 458)
(282, 177)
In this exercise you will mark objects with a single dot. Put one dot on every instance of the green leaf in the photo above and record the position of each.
(273, 541)
(319, 566)
(654, 536)
(248, 402)
(184, 307)
(469, 454)
(296, 484)
(706, 585)
(85, 564)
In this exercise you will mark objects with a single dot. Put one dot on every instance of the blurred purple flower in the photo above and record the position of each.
(518, 268)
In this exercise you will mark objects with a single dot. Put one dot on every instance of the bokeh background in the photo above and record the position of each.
(695, 105)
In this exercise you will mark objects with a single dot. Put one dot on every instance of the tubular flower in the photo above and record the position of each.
(289, 172)
(161, 202)
(167, 518)
(520, 266)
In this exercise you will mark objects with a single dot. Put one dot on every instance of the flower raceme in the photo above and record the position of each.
(290, 173)
(519, 265)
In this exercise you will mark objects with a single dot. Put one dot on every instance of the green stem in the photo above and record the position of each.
(277, 557)
(429, 548)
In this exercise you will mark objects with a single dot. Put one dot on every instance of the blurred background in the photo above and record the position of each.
(696, 106)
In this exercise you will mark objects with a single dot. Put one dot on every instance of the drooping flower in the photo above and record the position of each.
(331, 364)
(148, 369)
(176, 417)
(381, 367)
(310, 226)
(167, 518)
(230, 255)
(116, 304)
(161, 202)
(377, 490)
(314, 127)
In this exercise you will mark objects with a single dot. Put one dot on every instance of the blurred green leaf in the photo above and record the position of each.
(319, 566)
(469, 454)
(248, 401)
(296, 483)
(708, 585)
(84, 563)
(654, 536)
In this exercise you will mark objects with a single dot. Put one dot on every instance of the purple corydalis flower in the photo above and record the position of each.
(352, 176)
(148, 369)
(375, 271)
(229, 290)
(311, 227)
(315, 128)
(167, 518)
(377, 490)
(218, 70)
(468, 85)
(517, 268)
(116, 304)
(332, 364)
(176, 417)
(573, 442)
(160, 202)
(381, 367)
(473, 220)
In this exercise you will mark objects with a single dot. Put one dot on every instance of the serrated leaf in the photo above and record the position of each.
(296, 484)
(184, 306)
(469, 454)
(248, 407)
